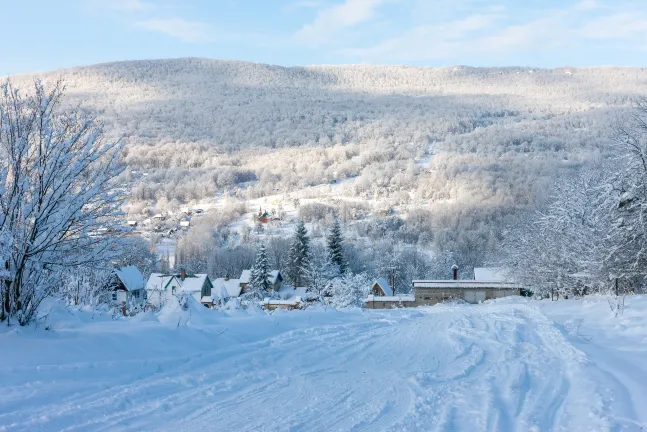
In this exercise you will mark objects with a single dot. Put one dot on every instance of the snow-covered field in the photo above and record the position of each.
(511, 365)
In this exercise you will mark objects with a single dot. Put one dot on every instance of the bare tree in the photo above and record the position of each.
(58, 207)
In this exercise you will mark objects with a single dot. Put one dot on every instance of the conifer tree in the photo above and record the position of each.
(299, 255)
(259, 282)
(335, 246)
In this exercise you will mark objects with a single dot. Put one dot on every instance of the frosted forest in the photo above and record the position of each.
(424, 167)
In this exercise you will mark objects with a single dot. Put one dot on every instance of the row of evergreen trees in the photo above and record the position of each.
(301, 270)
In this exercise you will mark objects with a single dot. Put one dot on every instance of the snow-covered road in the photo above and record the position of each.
(496, 367)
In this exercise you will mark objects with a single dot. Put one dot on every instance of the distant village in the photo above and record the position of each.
(128, 289)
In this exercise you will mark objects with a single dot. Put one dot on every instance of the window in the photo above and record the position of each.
(173, 289)
(114, 296)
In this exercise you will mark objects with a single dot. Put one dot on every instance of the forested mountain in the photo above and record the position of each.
(454, 151)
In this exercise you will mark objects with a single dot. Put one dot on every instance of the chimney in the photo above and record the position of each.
(182, 273)
(455, 272)
(227, 277)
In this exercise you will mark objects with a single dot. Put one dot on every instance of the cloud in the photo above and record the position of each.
(179, 28)
(129, 5)
(428, 42)
(329, 22)
(495, 33)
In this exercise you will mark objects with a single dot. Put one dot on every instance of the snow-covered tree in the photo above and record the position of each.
(350, 290)
(259, 282)
(57, 201)
(320, 273)
(299, 255)
(335, 243)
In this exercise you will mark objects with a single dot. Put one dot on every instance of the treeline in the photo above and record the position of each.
(591, 236)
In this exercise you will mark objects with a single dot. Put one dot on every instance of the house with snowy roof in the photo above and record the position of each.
(487, 284)
(127, 284)
(225, 288)
(161, 288)
(275, 279)
(381, 288)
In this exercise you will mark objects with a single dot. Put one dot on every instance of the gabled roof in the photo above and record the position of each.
(131, 277)
(193, 282)
(159, 281)
(274, 276)
(226, 288)
(384, 286)
(245, 276)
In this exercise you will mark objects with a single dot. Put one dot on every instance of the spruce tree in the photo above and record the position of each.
(336, 247)
(259, 282)
(299, 255)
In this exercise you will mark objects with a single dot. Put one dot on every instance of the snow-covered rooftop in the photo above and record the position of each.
(159, 281)
(292, 302)
(226, 288)
(131, 277)
(193, 282)
(490, 274)
(384, 286)
(398, 298)
(461, 284)
(274, 275)
(245, 276)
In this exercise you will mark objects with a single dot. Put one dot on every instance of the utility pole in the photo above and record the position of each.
(392, 278)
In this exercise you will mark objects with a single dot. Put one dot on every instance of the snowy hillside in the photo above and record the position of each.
(442, 159)
(231, 104)
(504, 366)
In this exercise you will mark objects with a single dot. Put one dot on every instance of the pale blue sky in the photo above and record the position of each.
(48, 34)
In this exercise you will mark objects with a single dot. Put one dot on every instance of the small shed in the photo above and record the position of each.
(270, 304)
(381, 288)
(275, 280)
(245, 277)
(127, 284)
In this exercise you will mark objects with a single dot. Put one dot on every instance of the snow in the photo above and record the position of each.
(384, 285)
(226, 288)
(507, 365)
(274, 275)
(294, 302)
(460, 284)
(496, 274)
(193, 283)
(398, 298)
(245, 276)
(158, 281)
(131, 277)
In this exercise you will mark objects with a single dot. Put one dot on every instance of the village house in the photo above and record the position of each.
(487, 284)
(127, 285)
(275, 279)
(161, 288)
(382, 297)
(225, 289)
(381, 288)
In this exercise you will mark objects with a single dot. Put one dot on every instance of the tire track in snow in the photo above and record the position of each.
(487, 368)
